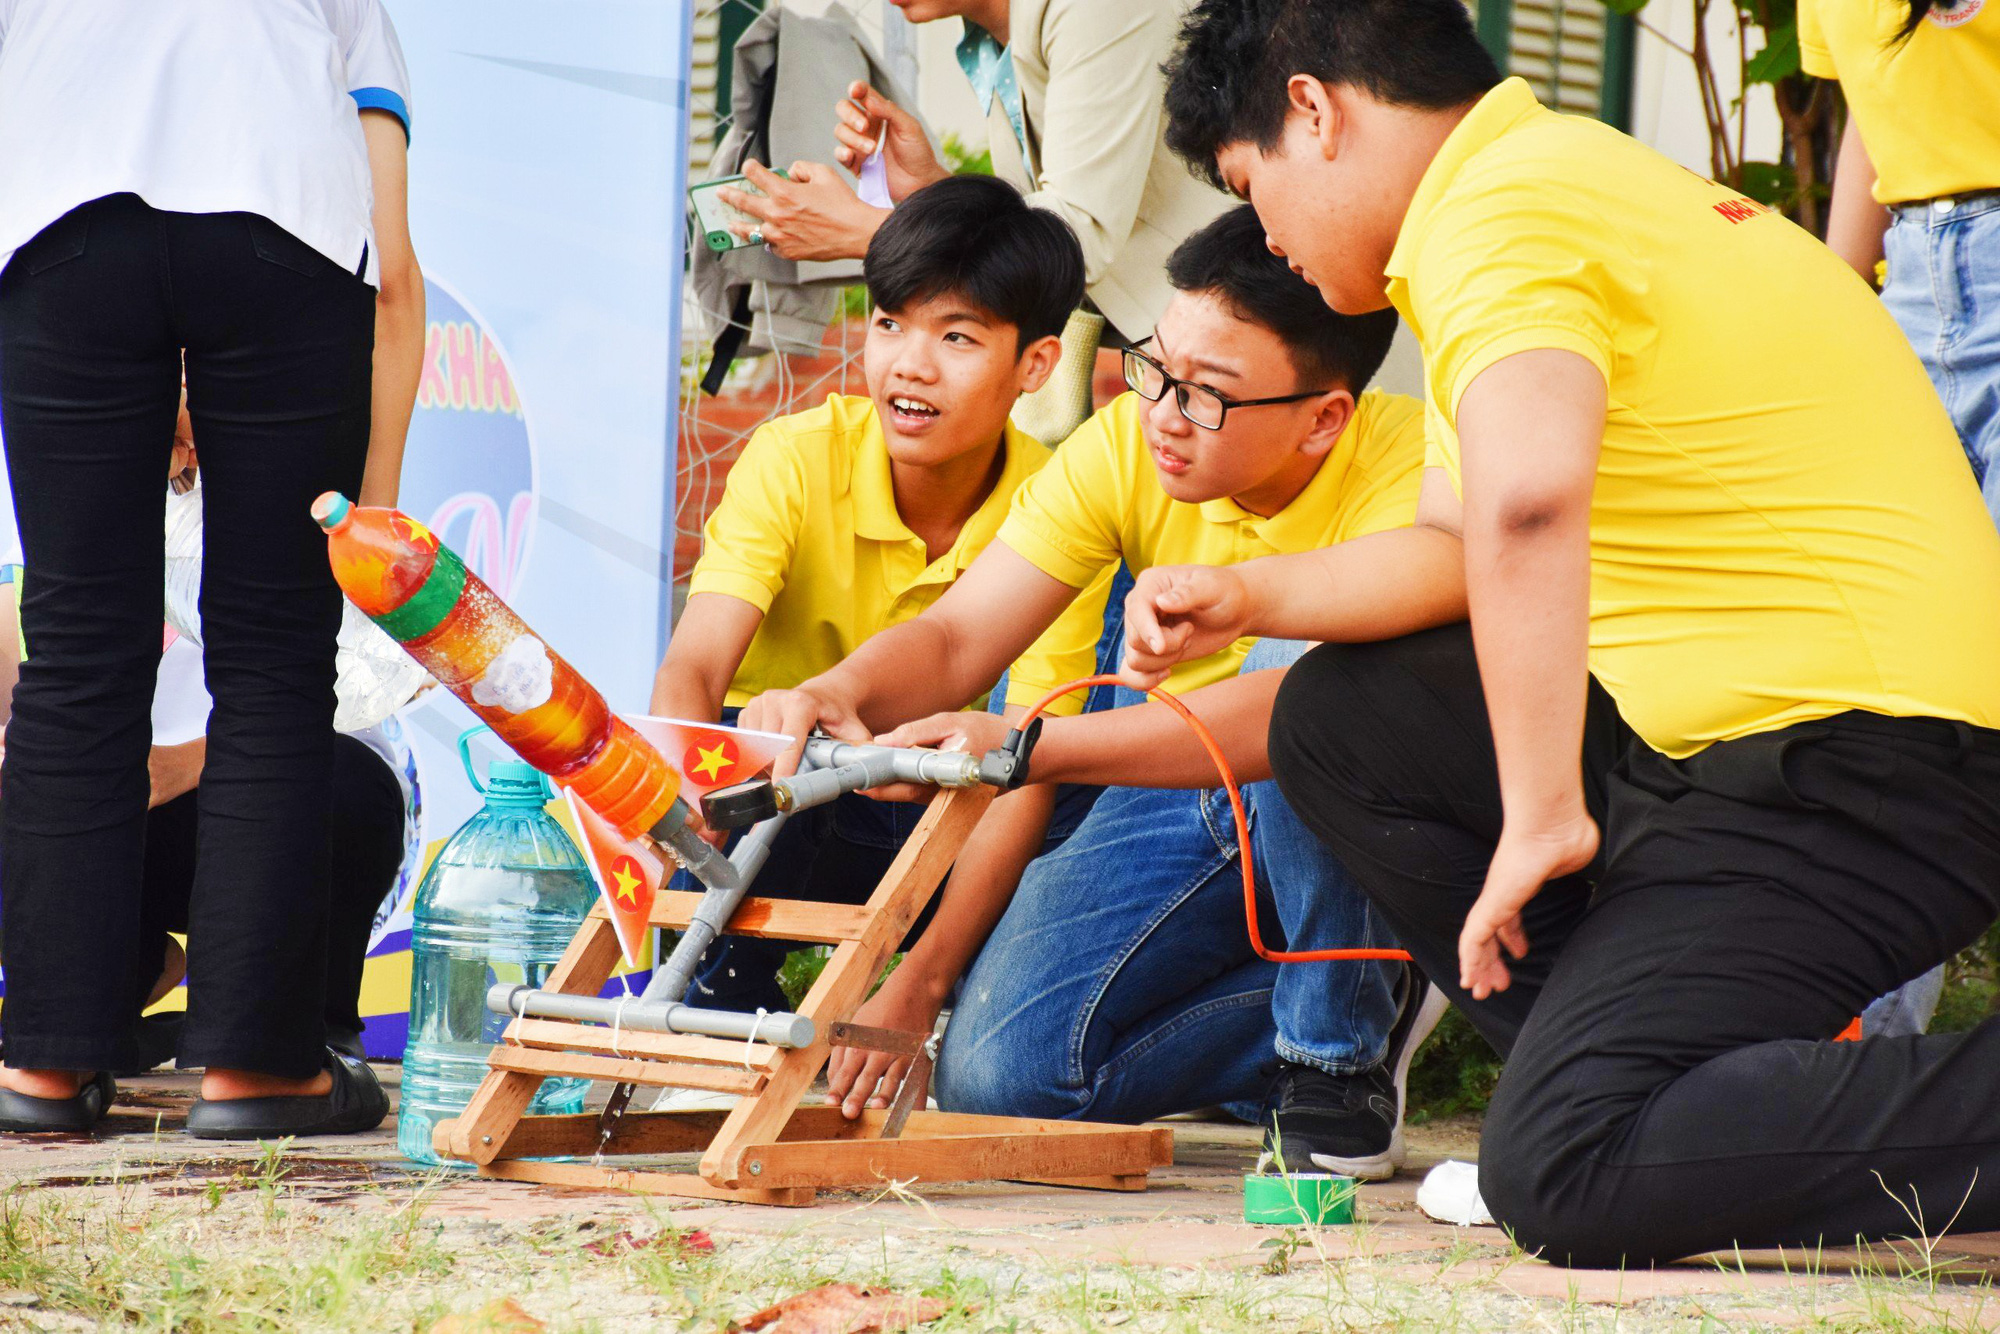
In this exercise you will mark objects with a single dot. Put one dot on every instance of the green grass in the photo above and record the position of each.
(269, 1251)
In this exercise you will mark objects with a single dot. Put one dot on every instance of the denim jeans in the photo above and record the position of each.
(1944, 291)
(1120, 985)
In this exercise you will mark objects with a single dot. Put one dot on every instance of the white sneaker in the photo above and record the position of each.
(1409, 1034)
(1450, 1194)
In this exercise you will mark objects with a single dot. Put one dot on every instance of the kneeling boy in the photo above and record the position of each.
(1120, 984)
(859, 514)
(1718, 760)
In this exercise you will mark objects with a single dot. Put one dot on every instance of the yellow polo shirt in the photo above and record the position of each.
(1784, 526)
(807, 532)
(1926, 106)
(1100, 502)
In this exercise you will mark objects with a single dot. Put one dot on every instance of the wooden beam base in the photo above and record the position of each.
(768, 1148)
(682, 1184)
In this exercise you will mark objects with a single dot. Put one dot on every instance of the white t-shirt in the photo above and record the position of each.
(197, 106)
(180, 694)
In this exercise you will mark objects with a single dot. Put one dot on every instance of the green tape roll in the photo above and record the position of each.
(431, 603)
(1295, 1198)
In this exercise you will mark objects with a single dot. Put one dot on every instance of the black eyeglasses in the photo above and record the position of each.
(1197, 402)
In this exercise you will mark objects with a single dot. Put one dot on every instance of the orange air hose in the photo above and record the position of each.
(1852, 1033)
(1214, 750)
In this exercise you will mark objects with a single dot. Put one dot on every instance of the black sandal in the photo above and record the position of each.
(77, 1114)
(354, 1104)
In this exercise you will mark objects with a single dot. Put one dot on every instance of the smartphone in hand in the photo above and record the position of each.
(714, 218)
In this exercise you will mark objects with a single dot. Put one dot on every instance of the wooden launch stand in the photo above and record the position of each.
(770, 1149)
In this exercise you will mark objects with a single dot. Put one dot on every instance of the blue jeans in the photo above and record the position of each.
(1120, 985)
(1944, 292)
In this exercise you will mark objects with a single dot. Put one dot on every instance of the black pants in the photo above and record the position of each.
(1670, 1087)
(95, 315)
(365, 820)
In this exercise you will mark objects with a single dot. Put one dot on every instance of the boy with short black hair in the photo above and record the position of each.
(1735, 610)
(850, 517)
(1120, 984)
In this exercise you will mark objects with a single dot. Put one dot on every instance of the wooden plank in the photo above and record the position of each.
(503, 1095)
(1124, 1183)
(636, 1132)
(1093, 1154)
(843, 984)
(782, 919)
(646, 1183)
(656, 1074)
(561, 1035)
(664, 1132)
(826, 1122)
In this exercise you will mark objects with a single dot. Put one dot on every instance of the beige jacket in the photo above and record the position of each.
(1091, 95)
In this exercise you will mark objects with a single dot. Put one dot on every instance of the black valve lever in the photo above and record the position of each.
(1007, 766)
(740, 805)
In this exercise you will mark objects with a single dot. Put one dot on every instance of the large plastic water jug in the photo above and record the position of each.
(499, 904)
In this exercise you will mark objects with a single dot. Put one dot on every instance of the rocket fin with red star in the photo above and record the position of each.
(710, 755)
(629, 872)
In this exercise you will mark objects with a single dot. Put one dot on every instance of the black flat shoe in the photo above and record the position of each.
(23, 1113)
(159, 1038)
(354, 1104)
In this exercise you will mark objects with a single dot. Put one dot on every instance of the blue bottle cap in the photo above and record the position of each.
(514, 783)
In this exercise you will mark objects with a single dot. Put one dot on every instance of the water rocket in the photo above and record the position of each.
(623, 777)
(626, 778)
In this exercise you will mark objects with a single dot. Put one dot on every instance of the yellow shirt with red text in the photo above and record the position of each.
(1784, 525)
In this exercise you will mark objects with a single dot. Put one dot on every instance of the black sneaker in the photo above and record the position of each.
(1336, 1123)
(1352, 1125)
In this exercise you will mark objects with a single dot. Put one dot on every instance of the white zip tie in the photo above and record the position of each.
(617, 1019)
(762, 1014)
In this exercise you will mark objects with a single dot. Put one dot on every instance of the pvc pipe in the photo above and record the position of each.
(651, 1016)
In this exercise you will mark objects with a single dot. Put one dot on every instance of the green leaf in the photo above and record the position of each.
(1780, 57)
(1771, 183)
(1625, 6)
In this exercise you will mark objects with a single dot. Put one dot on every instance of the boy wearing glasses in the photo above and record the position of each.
(1120, 984)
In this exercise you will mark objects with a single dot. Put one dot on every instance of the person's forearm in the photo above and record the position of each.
(174, 771)
(907, 671)
(982, 883)
(1855, 223)
(1152, 746)
(693, 696)
(1528, 571)
(399, 356)
(1382, 586)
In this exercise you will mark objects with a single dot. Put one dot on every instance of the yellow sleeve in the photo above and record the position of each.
(1518, 268)
(1815, 56)
(1066, 651)
(1396, 448)
(748, 543)
(1064, 519)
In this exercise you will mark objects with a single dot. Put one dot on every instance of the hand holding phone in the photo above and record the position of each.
(717, 218)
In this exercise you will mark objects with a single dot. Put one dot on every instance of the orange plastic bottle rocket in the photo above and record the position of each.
(417, 589)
